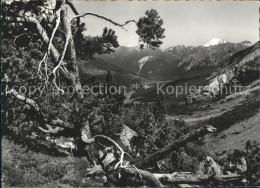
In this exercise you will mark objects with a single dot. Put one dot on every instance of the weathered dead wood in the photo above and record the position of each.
(51, 130)
(142, 175)
(72, 65)
(160, 180)
(129, 171)
(44, 59)
(193, 178)
(104, 18)
(144, 162)
(149, 160)
(88, 140)
(71, 5)
(129, 175)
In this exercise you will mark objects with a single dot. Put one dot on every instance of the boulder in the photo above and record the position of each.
(210, 167)
(126, 135)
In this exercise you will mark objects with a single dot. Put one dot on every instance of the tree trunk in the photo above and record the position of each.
(72, 65)
(149, 160)
(70, 72)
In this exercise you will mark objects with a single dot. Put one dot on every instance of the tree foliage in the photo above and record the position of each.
(149, 29)
(87, 46)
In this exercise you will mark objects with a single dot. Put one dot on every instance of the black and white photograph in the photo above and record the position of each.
(138, 93)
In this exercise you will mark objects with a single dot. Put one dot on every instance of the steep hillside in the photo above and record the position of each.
(242, 68)
(191, 78)
(247, 56)
(95, 70)
(150, 64)
(236, 136)
(244, 65)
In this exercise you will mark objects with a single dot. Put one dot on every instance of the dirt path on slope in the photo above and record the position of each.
(195, 119)
(217, 111)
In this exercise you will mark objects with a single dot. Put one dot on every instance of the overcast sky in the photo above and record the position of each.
(188, 23)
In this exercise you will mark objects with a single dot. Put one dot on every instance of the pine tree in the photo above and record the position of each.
(109, 79)
(150, 29)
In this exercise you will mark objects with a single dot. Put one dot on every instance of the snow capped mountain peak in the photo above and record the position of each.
(214, 41)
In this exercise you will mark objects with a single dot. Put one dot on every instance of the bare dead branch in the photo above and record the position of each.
(93, 139)
(177, 178)
(71, 5)
(50, 40)
(55, 29)
(111, 140)
(144, 175)
(131, 173)
(51, 130)
(104, 18)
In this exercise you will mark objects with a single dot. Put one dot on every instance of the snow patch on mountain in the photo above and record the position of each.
(214, 41)
(246, 43)
(142, 62)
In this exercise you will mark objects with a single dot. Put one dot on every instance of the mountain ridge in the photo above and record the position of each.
(168, 63)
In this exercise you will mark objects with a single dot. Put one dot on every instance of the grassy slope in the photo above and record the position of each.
(24, 167)
(236, 136)
(238, 123)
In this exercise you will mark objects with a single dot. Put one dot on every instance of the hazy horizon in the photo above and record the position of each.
(185, 23)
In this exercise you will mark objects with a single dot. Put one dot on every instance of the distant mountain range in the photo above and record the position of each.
(160, 65)
(243, 67)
